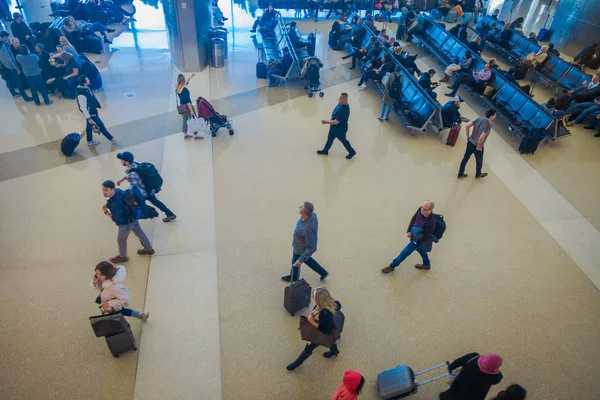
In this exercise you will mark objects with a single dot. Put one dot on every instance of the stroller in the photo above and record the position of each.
(215, 120)
(310, 71)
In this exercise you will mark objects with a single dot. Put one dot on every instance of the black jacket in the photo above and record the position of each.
(20, 31)
(450, 114)
(92, 103)
(425, 81)
(470, 383)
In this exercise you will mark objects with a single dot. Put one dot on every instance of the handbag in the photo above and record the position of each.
(197, 125)
(310, 333)
(181, 109)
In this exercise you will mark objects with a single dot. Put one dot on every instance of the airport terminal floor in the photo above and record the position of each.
(516, 273)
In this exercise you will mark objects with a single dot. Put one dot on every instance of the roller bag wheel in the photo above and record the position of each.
(400, 381)
(296, 295)
(93, 44)
(453, 135)
(261, 70)
(121, 342)
(70, 143)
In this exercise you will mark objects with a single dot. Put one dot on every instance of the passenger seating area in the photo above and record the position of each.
(416, 109)
(555, 71)
(515, 107)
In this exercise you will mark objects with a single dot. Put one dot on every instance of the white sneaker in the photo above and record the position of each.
(94, 143)
(113, 140)
(362, 87)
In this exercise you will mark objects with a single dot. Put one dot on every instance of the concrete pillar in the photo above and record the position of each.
(188, 23)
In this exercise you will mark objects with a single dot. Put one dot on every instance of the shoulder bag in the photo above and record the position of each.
(181, 109)
(310, 333)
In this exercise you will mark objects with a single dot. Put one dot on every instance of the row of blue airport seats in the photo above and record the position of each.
(515, 107)
(558, 72)
(274, 41)
(416, 109)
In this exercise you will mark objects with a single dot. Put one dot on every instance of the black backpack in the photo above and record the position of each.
(150, 177)
(132, 207)
(395, 90)
(440, 228)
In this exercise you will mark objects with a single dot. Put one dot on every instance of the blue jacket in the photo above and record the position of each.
(117, 209)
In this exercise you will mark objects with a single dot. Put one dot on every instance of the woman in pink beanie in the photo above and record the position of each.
(476, 377)
(350, 389)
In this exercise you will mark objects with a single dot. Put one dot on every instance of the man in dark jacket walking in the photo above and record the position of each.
(304, 243)
(115, 209)
(419, 232)
(338, 126)
(89, 105)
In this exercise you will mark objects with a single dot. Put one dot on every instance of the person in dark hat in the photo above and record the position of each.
(135, 178)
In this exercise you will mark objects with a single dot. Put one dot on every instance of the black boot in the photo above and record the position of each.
(301, 358)
(333, 351)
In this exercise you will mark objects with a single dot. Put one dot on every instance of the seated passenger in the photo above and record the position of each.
(370, 23)
(534, 60)
(425, 83)
(391, 42)
(383, 36)
(266, 19)
(407, 60)
(587, 92)
(67, 84)
(510, 76)
(464, 63)
(90, 70)
(450, 114)
(471, 80)
(360, 54)
(281, 67)
(584, 110)
(416, 26)
(70, 25)
(533, 37)
(296, 41)
(376, 70)
(552, 50)
(48, 71)
(67, 47)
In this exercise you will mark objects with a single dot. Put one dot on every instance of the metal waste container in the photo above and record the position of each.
(217, 53)
(221, 33)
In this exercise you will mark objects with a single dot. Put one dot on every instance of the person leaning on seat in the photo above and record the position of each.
(322, 317)
(281, 67)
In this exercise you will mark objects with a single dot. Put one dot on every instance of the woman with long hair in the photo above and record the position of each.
(322, 317)
(185, 99)
(113, 296)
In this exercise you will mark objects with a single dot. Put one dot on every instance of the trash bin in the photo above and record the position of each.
(217, 54)
(221, 33)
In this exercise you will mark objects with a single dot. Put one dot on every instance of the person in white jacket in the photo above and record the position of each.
(113, 296)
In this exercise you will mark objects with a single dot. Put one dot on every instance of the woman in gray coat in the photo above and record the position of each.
(388, 101)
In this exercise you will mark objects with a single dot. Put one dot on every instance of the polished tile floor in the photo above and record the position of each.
(517, 272)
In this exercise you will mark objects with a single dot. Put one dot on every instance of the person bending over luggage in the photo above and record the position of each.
(463, 64)
(513, 392)
(265, 20)
(352, 385)
(483, 75)
(360, 54)
(293, 34)
(113, 296)
(419, 233)
(450, 113)
(425, 82)
(477, 375)
(322, 317)
(281, 68)
(386, 64)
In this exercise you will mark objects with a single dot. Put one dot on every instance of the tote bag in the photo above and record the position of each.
(197, 125)
(310, 333)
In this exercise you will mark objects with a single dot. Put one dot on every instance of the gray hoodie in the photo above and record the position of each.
(7, 58)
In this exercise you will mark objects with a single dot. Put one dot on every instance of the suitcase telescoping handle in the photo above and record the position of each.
(444, 364)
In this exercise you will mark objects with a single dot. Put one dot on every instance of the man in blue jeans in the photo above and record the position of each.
(33, 74)
(281, 68)
(134, 179)
(89, 105)
(304, 243)
(419, 232)
(11, 71)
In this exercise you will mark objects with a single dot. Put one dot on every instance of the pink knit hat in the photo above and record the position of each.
(490, 364)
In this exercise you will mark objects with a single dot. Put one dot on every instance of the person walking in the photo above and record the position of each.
(185, 108)
(476, 377)
(11, 71)
(113, 296)
(352, 385)
(481, 130)
(338, 127)
(88, 105)
(322, 318)
(30, 65)
(304, 243)
(134, 179)
(419, 233)
(116, 210)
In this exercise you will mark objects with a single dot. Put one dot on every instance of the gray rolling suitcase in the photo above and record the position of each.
(401, 381)
(296, 295)
(121, 342)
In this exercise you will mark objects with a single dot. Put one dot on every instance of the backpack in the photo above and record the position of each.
(132, 199)
(150, 177)
(440, 228)
(395, 91)
(386, 79)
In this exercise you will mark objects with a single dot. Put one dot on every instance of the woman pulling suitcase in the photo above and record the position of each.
(323, 318)
(113, 295)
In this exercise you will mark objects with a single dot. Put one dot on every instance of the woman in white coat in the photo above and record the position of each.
(113, 296)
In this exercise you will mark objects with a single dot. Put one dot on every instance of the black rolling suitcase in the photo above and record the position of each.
(116, 331)
(296, 295)
(401, 381)
(531, 141)
(261, 70)
(93, 44)
(70, 143)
